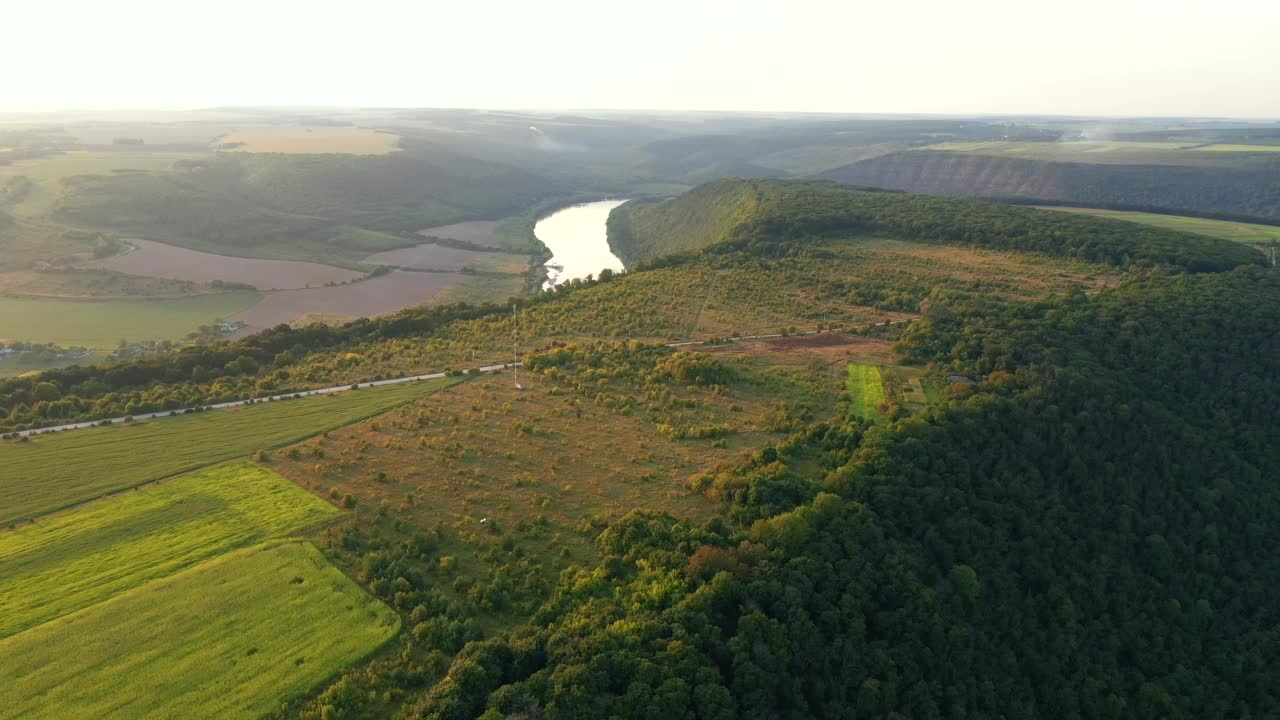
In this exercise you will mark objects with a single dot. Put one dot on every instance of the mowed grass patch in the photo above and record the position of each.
(1248, 233)
(104, 323)
(55, 471)
(232, 638)
(866, 391)
(77, 559)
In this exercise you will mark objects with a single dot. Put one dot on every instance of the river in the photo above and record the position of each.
(578, 241)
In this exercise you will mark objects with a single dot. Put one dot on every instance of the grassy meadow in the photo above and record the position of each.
(74, 560)
(103, 323)
(231, 638)
(55, 471)
(866, 391)
(1248, 233)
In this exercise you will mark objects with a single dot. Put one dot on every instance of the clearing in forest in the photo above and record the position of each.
(55, 471)
(232, 638)
(866, 391)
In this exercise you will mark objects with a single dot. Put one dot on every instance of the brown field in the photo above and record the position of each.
(480, 232)
(367, 298)
(153, 259)
(312, 140)
(429, 256)
(547, 456)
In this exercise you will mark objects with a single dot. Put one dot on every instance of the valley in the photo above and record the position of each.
(456, 414)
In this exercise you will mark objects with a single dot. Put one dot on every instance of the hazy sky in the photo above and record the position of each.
(1113, 57)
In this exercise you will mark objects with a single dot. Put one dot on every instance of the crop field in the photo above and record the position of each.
(866, 391)
(1228, 147)
(158, 260)
(476, 232)
(1103, 152)
(311, 140)
(46, 173)
(430, 256)
(55, 471)
(77, 559)
(1248, 233)
(367, 298)
(103, 323)
(75, 283)
(231, 638)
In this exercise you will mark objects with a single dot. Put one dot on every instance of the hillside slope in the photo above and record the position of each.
(767, 216)
(1244, 192)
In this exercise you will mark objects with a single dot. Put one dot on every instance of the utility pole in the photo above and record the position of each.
(515, 345)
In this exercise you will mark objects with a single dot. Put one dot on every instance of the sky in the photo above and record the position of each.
(1116, 58)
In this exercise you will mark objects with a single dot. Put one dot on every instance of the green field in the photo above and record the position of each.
(104, 323)
(866, 391)
(74, 560)
(47, 173)
(58, 470)
(231, 638)
(1248, 233)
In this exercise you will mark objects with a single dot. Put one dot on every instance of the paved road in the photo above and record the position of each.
(375, 383)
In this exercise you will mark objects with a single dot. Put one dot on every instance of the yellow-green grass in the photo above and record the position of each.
(104, 323)
(73, 560)
(310, 140)
(1249, 233)
(46, 173)
(866, 391)
(58, 470)
(232, 638)
(1230, 147)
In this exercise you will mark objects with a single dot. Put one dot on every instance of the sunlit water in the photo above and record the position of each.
(578, 242)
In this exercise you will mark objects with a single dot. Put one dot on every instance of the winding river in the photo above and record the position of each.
(578, 241)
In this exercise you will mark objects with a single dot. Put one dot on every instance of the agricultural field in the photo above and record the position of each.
(1247, 233)
(231, 638)
(46, 173)
(80, 283)
(311, 140)
(102, 324)
(866, 391)
(367, 298)
(1107, 152)
(50, 472)
(158, 260)
(431, 256)
(73, 560)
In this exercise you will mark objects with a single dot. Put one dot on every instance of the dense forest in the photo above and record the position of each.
(1250, 190)
(1085, 533)
(766, 217)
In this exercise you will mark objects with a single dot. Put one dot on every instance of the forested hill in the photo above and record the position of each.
(765, 217)
(1243, 192)
(1087, 533)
